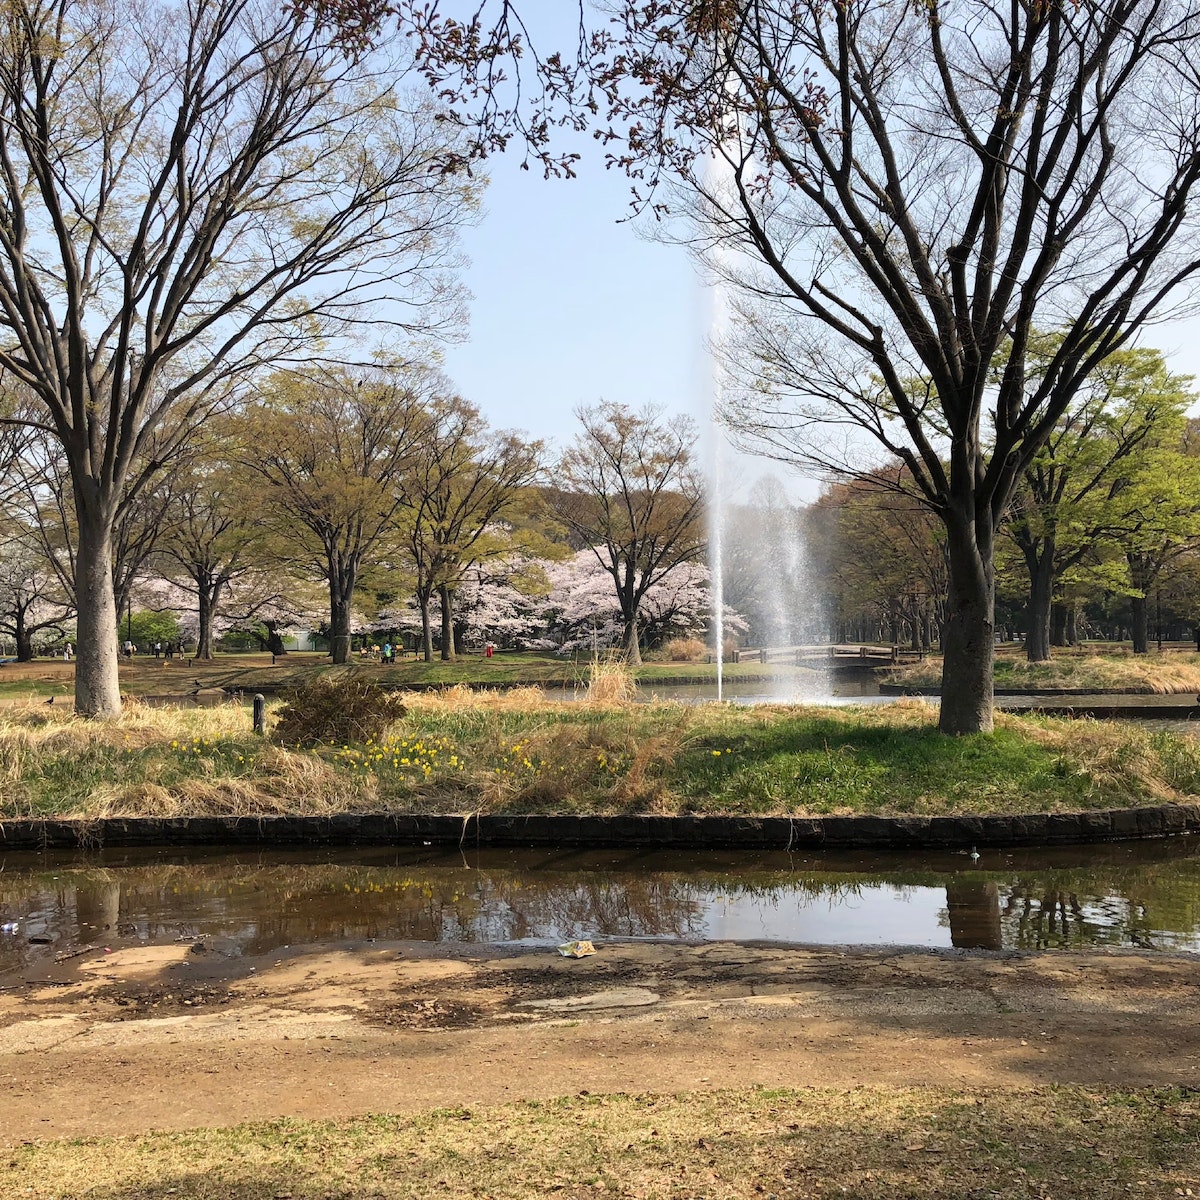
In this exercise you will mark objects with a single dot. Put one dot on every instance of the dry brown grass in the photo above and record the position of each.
(871, 1143)
(460, 696)
(1107, 755)
(1104, 668)
(678, 650)
(285, 783)
(610, 682)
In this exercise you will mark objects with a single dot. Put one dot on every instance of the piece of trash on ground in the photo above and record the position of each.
(576, 949)
(8, 927)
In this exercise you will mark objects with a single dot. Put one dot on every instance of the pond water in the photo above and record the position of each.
(1134, 894)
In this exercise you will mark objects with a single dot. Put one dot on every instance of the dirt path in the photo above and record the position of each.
(178, 1036)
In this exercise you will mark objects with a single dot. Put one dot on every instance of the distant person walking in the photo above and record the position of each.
(129, 648)
(158, 649)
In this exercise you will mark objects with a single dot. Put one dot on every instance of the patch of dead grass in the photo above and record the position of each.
(873, 1143)
(1107, 669)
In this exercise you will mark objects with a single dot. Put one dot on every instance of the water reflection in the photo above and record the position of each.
(1145, 895)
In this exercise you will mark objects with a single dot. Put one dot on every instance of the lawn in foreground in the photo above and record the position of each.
(867, 1143)
(463, 751)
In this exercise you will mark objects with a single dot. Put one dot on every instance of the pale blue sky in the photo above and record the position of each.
(571, 307)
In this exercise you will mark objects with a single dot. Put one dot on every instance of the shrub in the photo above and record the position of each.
(682, 649)
(336, 710)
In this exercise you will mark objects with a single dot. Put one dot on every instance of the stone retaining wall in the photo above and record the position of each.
(496, 829)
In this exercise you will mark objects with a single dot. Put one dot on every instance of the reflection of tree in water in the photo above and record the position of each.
(261, 906)
(265, 907)
(973, 907)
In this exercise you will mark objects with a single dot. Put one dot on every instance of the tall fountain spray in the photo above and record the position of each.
(718, 331)
(793, 592)
(716, 558)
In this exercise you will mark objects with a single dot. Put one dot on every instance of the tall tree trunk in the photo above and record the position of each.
(273, 640)
(205, 607)
(632, 645)
(426, 628)
(968, 642)
(339, 625)
(97, 687)
(1058, 624)
(1041, 598)
(22, 636)
(343, 572)
(447, 596)
(1072, 624)
(1140, 632)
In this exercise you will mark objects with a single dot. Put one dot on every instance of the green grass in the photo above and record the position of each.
(462, 752)
(866, 1143)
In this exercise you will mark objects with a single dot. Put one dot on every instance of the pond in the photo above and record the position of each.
(1131, 894)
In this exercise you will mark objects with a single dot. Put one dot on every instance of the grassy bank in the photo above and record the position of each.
(1077, 667)
(459, 751)
(868, 1143)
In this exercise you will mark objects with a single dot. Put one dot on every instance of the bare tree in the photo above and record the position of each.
(31, 598)
(185, 193)
(630, 491)
(42, 496)
(906, 192)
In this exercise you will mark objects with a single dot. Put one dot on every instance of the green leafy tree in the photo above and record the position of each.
(1160, 498)
(329, 449)
(1075, 495)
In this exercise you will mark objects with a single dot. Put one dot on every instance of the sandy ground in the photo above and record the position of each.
(189, 1034)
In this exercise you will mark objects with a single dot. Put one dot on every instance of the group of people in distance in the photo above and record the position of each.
(159, 649)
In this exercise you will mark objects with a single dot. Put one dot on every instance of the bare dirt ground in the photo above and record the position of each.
(171, 1037)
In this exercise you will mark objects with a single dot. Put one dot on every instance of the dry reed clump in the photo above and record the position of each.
(1100, 755)
(610, 682)
(680, 649)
